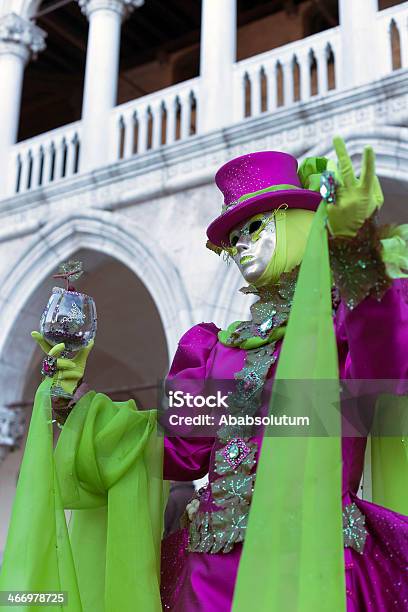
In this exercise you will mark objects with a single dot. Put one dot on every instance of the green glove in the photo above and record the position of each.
(356, 198)
(69, 371)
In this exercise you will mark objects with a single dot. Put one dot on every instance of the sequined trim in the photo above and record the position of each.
(235, 452)
(246, 398)
(354, 531)
(269, 312)
(218, 530)
(222, 466)
(358, 268)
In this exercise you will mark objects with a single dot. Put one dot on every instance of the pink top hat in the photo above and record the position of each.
(255, 183)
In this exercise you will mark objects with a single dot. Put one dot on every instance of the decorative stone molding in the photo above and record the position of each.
(21, 36)
(12, 427)
(123, 7)
(116, 236)
(376, 112)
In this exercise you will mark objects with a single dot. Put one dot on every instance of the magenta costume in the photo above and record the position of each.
(375, 579)
(200, 563)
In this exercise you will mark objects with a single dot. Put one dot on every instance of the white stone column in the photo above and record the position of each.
(359, 42)
(20, 40)
(101, 76)
(217, 57)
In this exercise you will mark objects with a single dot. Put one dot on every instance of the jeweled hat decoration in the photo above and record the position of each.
(257, 183)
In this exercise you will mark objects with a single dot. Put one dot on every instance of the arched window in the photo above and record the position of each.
(395, 42)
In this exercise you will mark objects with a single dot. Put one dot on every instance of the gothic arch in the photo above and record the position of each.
(108, 233)
(390, 144)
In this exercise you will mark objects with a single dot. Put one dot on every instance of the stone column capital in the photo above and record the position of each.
(20, 36)
(12, 427)
(122, 7)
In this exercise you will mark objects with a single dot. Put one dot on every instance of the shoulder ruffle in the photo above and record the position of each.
(194, 351)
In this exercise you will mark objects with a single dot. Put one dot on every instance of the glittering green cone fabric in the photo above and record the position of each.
(107, 468)
(293, 553)
(389, 454)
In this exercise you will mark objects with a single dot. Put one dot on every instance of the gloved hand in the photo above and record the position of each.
(356, 198)
(69, 371)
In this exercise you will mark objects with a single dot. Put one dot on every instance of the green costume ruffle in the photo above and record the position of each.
(106, 468)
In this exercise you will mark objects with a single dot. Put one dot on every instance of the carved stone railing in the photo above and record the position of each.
(392, 33)
(45, 159)
(302, 71)
(162, 118)
(296, 72)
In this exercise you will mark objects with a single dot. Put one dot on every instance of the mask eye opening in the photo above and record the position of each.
(254, 226)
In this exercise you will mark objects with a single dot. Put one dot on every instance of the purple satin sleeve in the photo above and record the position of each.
(377, 336)
(188, 458)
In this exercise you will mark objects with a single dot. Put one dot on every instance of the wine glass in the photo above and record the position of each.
(69, 317)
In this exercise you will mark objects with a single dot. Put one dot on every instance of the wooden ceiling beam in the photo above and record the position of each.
(52, 23)
(32, 108)
(192, 10)
(262, 10)
(48, 80)
(123, 78)
(131, 37)
(171, 14)
(57, 60)
(140, 19)
(326, 12)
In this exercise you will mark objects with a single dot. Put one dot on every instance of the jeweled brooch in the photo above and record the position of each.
(328, 187)
(354, 531)
(235, 452)
(49, 366)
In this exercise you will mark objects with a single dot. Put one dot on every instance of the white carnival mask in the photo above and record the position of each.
(253, 242)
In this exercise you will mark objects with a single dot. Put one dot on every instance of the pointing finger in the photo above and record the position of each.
(40, 340)
(345, 164)
(368, 168)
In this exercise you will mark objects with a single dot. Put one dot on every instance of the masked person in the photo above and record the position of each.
(281, 528)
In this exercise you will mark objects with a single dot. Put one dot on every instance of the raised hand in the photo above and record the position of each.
(356, 198)
(68, 371)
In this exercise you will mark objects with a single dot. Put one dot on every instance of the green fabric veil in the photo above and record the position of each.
(293, 552)
(106, 468)
(389, 454)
